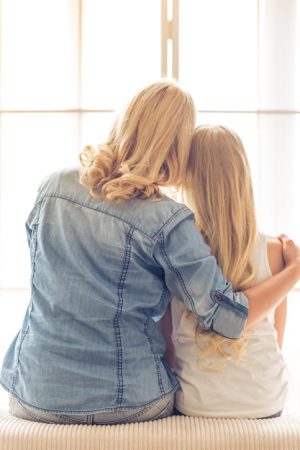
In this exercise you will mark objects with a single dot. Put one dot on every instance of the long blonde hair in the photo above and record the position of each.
(148, 146)
(220, 193)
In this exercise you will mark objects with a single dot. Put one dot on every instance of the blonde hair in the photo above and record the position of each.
(220, 193)
(148, 146)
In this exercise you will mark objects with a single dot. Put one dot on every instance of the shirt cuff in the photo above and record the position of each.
(230, 317)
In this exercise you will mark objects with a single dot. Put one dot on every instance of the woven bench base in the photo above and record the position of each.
(173, 433)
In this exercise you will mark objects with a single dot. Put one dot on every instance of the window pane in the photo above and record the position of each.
(279, 140)
(120, 50)
(218, 52)
(297, 72)
(39, 67)
(41, 144)
(277, 54)
(95, 127)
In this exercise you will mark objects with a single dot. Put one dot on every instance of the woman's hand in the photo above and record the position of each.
(290, 251)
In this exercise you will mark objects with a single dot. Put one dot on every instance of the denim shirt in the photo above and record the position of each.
(101, 273)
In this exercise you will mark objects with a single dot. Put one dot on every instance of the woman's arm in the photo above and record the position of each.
(266, 296)
(191, 273)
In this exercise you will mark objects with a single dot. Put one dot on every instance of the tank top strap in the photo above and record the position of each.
(260, 258)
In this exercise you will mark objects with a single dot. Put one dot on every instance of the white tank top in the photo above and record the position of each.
(252, 388)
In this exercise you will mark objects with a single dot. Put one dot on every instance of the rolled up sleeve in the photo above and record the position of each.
(193, 275)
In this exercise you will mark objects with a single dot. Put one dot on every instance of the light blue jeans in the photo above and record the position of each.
(156, 410)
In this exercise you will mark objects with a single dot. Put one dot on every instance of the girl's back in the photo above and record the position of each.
(252, 387)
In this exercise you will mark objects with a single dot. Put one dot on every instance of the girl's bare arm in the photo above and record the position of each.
(276, 262)
(266, 296)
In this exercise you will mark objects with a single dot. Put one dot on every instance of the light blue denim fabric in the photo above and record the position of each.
(101, 272)
(164, 407)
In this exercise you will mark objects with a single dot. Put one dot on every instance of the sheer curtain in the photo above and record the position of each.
(67, 65)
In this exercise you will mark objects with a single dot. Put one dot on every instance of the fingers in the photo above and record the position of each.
(284, 238)
(288, 244)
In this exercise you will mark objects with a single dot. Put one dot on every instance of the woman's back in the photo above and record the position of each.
(102, 272)
(252, 387)
(88, 341)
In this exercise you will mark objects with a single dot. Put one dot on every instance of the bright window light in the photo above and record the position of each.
(39, 57)
(120, 50)
(218, 53)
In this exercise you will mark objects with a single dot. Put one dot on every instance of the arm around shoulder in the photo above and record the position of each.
(191, 273)
(267, 295)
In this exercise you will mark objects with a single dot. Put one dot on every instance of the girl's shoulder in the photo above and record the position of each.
(267, 256)
(275, 255)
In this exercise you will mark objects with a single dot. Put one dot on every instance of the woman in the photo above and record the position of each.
(107, 253)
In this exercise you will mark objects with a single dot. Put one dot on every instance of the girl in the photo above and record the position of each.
(107, 251)
(218, 377)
